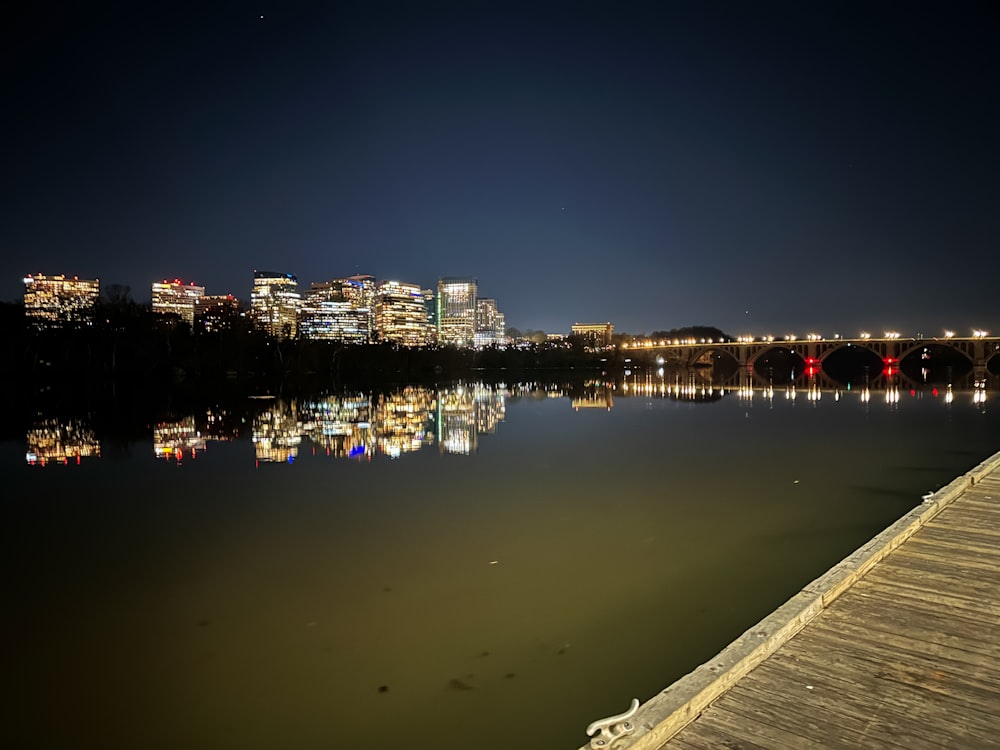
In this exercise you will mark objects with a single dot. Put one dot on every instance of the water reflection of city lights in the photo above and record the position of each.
(60, 442)
(172, 440)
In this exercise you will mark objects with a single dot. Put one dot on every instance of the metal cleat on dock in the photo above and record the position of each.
(612, 728)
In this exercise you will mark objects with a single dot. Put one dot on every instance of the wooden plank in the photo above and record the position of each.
(914, 601)
(984, 507)
(956, 548)
(976, 567)
(973, 538)
(928, 628)
(681, 741)
(945, 578)
(968, 519)
(832, 625)
(712, 731)
(928, 543)
(876, 664)
(916, 574)
(891, 711)
(837, 722)
(917, 587)
(769, 710)
(718, 722)
(901, 567)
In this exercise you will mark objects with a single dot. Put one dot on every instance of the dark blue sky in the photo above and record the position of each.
(762, 167)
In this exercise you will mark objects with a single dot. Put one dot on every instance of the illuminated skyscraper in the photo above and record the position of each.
(456, 312)
(360, 291)
(491, 329)
(339, 310)
(274, 303)
(217, 312)
(176, 298)
(401, 314)
(57, 301)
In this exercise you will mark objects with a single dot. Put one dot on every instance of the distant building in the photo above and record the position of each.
(594, 334)
(491, 327)
(339, 310)
(216, 312)
(58, 301)
(401, 314)
(456, 312)
(176, 298)
(360, 291)
(274, 303)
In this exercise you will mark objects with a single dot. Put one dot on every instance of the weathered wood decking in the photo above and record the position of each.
(898, 646)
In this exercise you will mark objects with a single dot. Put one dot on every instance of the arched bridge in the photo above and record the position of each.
(979, 350)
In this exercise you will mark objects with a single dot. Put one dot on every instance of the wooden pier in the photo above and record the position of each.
(898, 646)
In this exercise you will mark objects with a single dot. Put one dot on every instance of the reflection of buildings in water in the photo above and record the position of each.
(219, 424)
(403, 421)
(490, 409)
(465, 411)
(340, 424)
(594, 394)
(277, 432)
(176, 439)
(355, 425)
(456, 421)
(60, 441)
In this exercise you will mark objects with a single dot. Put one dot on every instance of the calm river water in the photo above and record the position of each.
(466, 567)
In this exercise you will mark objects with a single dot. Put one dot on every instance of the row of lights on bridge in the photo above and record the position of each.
(864, 336)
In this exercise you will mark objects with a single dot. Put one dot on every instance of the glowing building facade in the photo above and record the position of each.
(58, 301)
(339, 310)
(456, 312)
(401, 314)
(491, 328)
(594, 334)
(176, 298)
(217, 312)
(275, 302)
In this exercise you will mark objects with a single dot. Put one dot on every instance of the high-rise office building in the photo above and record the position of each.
(456, 312)
(58, 301)
(176, 298)
(339, 310)
(401, 314)
(274, 303)
(491, 328)
(360, 291)
(217, 312)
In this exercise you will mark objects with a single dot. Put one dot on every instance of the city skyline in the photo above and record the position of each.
(750, 167)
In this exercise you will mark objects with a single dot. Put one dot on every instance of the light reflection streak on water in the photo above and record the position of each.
(361, 425)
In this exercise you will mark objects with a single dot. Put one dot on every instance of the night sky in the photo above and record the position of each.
(761, 167)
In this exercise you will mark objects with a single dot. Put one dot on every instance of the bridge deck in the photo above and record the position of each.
(908, 657)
